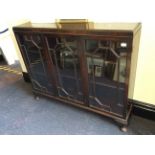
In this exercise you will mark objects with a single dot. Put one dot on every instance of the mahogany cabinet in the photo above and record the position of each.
(87, 68)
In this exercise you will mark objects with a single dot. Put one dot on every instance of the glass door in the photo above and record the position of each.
(37, 64)
(65, 57)
(106, 66)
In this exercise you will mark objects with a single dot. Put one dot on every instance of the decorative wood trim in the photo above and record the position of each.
(142, 109)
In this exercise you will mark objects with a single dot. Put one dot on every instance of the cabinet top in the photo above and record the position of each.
(132, 27)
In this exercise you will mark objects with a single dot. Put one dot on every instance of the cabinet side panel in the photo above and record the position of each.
(134, 59)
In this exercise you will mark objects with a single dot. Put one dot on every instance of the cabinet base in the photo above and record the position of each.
(123, 121)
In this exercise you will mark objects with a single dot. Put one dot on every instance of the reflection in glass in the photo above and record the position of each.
(106, 64)
(104, 60)
(65, 58)
(34, 53)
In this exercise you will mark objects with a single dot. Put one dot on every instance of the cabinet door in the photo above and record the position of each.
(35, 57)
(107, 74)
(66, 60)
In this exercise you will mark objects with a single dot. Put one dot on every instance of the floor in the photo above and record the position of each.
(20, 114)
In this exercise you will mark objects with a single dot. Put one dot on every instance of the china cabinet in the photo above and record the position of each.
(88, 68)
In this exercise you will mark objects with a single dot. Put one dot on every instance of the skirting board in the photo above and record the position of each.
(142, 109)
(139, 108)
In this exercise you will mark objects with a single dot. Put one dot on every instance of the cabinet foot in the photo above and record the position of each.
(36, 97)
(124, 128)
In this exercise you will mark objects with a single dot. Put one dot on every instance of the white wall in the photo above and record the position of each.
(99, 11)
(7, 46)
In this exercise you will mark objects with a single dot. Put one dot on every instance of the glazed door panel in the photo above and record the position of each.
(65, 56)
(87, 71)
(35, 56)
(106, 66)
